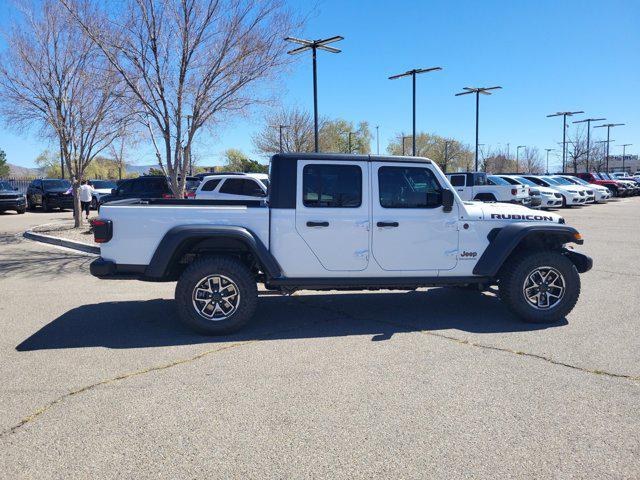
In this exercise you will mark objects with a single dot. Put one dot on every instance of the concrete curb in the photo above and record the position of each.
(62, 242)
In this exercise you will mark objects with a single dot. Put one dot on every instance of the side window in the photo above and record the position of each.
(211, 185)
(331, 186)
(408, 187)
(125, 187)
(457, 180)
(480, 179)
(233, 186)
(252, 189)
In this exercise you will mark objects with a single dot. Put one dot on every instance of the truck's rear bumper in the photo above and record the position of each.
(102, 268)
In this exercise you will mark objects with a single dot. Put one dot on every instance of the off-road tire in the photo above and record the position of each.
(20, 211)
(230, 268)
(515, 273)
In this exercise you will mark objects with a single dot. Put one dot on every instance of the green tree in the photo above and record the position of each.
(155, 171)
(334, 137)
(49, 163)
(237, 161)
(4, 168)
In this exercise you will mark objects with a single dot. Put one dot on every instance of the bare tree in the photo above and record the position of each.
(199, 59)
(52, 76)
(577, 149)
(448, 153)
(531, 161)
(297, 132)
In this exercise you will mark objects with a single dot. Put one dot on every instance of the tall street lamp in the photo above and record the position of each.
(624, 152)
(477, 91)
(564, 131)
(403, 139)
(588, 122)
(548, 150)
(280, 128)
(518, 156)
(413, 74)
(377, 139)
(609, 126)
(314, 45)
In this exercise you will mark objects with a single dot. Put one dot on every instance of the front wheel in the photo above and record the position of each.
(216, 295)
(541, 287)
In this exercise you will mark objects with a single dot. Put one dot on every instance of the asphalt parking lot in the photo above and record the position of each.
(99, 380)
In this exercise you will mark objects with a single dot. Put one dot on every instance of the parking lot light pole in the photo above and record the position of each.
(403, 139)
(548, 150)
(377, 139)
(314, 45)
(280, 128)
(588, 122)
(413, 74)
(564, 131)
(624, 152)
(518, 156)
(477, 91)
(609, 126)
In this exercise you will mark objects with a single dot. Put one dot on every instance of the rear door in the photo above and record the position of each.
(411, 232)
(459, 182)
(332, 212)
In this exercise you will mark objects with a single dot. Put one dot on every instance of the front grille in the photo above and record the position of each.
(589, 192)
(8, 196)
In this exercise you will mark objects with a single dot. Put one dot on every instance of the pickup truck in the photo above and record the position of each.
(476, 186)
(340, 222)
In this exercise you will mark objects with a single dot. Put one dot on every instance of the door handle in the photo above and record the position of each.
(317, 224)
(387, 224)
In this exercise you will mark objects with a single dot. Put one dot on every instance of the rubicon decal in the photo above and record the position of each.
(503, 216)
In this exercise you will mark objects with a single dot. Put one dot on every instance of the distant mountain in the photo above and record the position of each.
(18, 171)
(139, 169)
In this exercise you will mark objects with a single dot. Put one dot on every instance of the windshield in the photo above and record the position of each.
(527, 182)
(191, 184)
(512, 181)
(5, 186)
(103, 184)
(552, 181)
(580, 181)
(497, 180)
(605, 176)
(562, 181)
(50, 184)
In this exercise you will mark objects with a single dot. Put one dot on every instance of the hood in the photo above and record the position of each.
(102, 191)
(57, 190)
(508, 212)
(13, 192)
(545, 190)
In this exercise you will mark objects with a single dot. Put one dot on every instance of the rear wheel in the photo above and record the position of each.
(20, 211)
(216, 295)
(541, 287)
(94, 203)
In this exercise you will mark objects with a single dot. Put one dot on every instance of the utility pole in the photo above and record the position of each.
(446, 155)
(564, 131)
(624, 152)
(377, 139)
(314, 45)
(548, 150)
(588, 122)
(413, 74)
(518, 156)
(609, 127)
(477, 91)
(403, 139)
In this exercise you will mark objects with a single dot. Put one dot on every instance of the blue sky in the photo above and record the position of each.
(547, 55)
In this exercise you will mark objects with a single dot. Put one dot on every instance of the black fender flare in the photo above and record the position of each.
(170, 247)
(510, 236)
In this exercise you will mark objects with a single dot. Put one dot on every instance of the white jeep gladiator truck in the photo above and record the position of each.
(475, 186)
(340, 222)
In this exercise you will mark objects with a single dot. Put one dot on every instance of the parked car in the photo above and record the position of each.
(587, 192)
(11, 199)
(534, 201)
(49, 193)
(570, 196)
(231, 187)
(550, 198)
(146, 186)
(602, 194)
(633, 185)
(474, 186)
(341, 222)
(100, 189)
(617, 188)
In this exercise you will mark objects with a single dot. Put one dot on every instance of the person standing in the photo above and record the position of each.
(86, 194)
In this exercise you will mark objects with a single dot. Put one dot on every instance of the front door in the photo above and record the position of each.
(411, 232)
(332, 212)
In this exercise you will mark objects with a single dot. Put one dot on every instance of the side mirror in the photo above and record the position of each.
(447, 200)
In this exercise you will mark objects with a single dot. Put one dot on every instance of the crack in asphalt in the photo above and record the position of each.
(410, 328)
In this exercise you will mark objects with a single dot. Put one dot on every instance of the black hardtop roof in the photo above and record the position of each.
(345, 157)
(467, 173)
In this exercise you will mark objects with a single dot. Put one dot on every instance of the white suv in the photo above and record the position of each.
(232, 186)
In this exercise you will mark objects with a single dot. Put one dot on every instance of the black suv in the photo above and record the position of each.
(148, 186)
(11, 199)
(49, 193)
